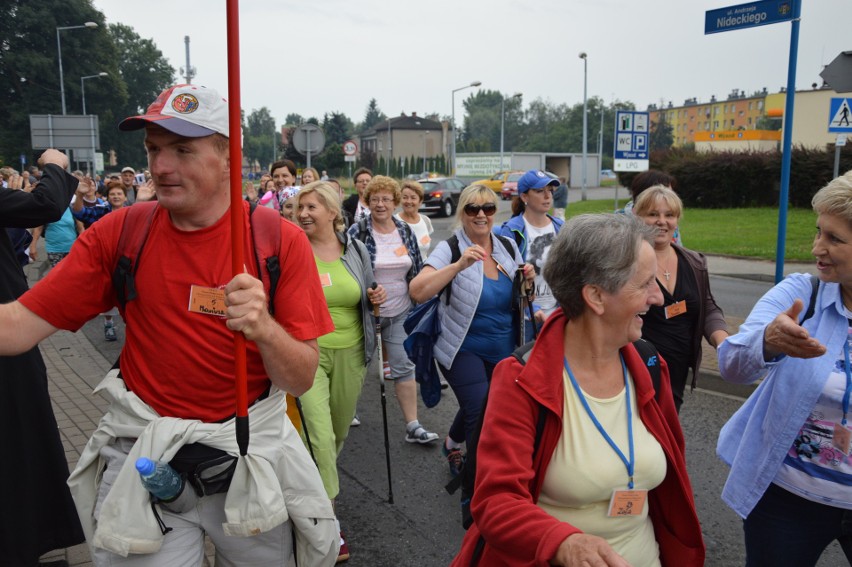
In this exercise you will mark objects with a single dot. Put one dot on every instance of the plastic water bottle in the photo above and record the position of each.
(159, 479)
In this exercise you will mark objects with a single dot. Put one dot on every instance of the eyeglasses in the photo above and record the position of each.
(383, 200)
(472, 210)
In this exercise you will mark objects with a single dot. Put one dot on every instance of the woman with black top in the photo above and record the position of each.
(689, 310)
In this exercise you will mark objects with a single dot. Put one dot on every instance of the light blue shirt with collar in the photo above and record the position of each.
(757, 437)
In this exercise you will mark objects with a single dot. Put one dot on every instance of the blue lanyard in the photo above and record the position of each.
(632, 461)
(848, 381)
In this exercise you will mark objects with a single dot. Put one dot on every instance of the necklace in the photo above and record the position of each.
(666, 272)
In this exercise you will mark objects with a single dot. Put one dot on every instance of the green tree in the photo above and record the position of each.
(337, 127)
(373, 116)
(259, 136)
(661, 135)
(293, 119)
(144, 73)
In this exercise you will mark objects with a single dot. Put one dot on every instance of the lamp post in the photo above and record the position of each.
(83, 85)
(90, 25)
(473, 84)
(503, 123)
(90, 164)
(585, 120)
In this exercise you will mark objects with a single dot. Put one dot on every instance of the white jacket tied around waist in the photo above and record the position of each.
(277, 481)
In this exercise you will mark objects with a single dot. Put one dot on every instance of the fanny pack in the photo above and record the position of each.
(209, 471)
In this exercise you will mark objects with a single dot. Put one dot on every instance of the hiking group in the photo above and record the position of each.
(572, 448)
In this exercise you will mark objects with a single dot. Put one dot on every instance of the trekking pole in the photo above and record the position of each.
(522, 339)
(529, 292)
(305, 428)
(384, 398)
(236, 216)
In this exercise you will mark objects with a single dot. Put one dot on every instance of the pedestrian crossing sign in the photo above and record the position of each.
(840, 115)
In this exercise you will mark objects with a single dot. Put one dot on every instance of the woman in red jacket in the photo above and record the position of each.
(606, 482)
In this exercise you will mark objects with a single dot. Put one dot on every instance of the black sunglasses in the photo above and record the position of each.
(472, 210)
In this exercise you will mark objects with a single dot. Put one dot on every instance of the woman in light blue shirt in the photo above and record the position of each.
(790, 445)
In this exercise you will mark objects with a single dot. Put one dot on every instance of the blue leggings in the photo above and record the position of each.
(469, 377)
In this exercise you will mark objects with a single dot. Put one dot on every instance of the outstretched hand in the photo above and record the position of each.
(784, 335)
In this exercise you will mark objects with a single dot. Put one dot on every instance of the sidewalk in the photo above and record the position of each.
(75, 367)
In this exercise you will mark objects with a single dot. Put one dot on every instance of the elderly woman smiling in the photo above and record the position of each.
(789, 445)
(579, 463)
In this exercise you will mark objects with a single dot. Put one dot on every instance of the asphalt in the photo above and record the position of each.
(76, 363)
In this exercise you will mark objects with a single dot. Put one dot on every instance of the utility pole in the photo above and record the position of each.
(188, 71)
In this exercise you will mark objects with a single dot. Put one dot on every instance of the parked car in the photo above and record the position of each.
(496, 181)
(607, 174)
(510, 187)
(441, 195)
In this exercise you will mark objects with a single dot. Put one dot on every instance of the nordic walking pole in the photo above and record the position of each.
(522, 339)
(529, 293)
(237, 239)
(305, 428)
(384, 398)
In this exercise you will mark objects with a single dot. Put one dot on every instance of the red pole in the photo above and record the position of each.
(237, 240)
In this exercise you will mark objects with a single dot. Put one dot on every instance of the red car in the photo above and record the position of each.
(510, 186)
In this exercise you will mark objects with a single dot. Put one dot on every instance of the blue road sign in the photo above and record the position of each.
(631, 141)
(840, 115)
(748, 15)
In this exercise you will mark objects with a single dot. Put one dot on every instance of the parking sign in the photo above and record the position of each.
(631, 141)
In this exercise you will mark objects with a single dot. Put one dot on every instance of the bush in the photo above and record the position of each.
(717, 180)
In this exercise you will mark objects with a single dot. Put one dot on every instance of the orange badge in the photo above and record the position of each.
(325, 280)
(676, 309)
(627, 503)
(207, 300)
(401, 251)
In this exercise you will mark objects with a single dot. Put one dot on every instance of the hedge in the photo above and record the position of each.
(719, 180)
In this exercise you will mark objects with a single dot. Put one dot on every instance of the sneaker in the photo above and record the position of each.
(420, 435)
(454, 458)
(356, 421)
(343, 554)
(109, 332)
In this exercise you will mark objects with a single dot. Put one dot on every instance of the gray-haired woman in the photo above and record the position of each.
(578, 461)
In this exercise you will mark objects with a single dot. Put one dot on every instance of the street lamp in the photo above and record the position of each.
(90, 25)
(473, 84)
(83, 86)
(90, 164)
(502, 123)
(585, 120)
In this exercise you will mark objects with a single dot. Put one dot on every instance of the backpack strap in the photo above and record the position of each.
(134, 234)
(265, 228)
(812, 303)
(455, 254)
(648, 353)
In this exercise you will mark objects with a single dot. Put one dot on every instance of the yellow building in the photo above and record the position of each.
(732, 124)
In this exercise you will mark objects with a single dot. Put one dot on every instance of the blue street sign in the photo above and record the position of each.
(748, 15)
(840, 115)
(631, 141)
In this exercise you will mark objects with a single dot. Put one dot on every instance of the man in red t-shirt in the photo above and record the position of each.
(178, 357)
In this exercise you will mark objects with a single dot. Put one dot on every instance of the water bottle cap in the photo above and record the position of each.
(145, 465)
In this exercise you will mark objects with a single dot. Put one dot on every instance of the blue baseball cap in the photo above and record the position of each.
(535, 179)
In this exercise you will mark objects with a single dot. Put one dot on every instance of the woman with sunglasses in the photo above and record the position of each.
(534, 231)
(478, 330)
(395, 258)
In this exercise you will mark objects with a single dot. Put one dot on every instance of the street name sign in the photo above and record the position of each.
(631, 141)
(748, 15)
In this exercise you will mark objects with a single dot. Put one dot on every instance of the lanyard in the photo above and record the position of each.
(629, 463)
(848, 381)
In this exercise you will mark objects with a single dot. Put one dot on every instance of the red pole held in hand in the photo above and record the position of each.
(237, 212)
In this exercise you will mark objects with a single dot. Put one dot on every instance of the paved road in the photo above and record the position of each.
(422, 527)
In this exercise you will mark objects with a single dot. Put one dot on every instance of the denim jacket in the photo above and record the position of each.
(757, 437)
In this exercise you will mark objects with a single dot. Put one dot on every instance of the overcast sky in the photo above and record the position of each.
(318, 56)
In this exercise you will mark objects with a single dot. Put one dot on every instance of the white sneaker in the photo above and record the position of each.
(420, 435)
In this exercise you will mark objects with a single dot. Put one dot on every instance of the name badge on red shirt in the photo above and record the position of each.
(207, 300)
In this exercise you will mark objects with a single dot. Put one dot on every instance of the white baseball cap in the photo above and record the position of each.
(187, 110)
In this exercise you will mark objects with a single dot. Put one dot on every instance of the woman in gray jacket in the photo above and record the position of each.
(346, 275)
(478, 330)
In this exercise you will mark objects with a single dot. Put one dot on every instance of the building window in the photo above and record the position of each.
(716, 111)
(760, 105)
(749, 119)
(751, 105)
